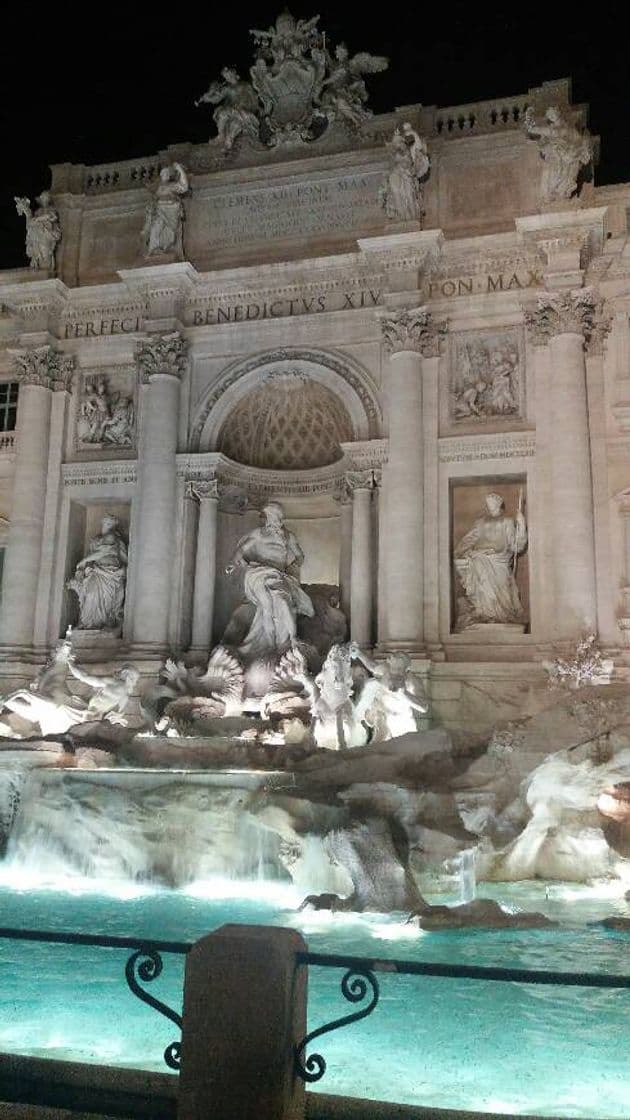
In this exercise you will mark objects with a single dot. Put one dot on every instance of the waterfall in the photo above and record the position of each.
(467, 877)
(11, 786)
(169, 828)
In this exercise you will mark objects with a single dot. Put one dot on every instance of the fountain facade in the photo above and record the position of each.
(307, 486)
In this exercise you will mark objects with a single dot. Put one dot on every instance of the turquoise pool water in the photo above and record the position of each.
(501, 1047)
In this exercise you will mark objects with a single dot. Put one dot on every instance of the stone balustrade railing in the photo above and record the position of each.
(487, 116)
(122, 176)
(7, 441)
(496, 115)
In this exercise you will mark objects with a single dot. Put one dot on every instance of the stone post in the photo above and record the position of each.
(244, 1011)
(207, 495)
(408, 335)
(567, 321)
(38, 370)
(161, 360)
(362, 484)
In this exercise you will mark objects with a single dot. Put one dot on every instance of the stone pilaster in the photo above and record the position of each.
(207, 495)
(409, 336)
(569, 322)
(39, 372)
(161, 361)
(361, 485)
(623, 610)
(345, 548)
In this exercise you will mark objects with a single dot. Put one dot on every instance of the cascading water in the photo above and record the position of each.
(467, 875)
(163, 827)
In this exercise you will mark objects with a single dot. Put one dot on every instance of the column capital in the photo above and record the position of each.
(578, 312)
(164, 353)
(361, 480)
(412, 329)
(203, 490)
(62, 372)
(43, 366)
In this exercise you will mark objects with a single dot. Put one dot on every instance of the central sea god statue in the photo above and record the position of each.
(270, 558)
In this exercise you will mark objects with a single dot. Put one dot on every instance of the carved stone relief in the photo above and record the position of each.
(487, 376)
(106, 415)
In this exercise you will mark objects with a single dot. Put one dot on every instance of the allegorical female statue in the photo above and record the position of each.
(485, 561)
(162, 231)
(99, 579)
(565, 151)
(270, 558)
(43, 232)
(403, 193)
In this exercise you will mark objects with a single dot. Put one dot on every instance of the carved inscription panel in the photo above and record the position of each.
(237, 217)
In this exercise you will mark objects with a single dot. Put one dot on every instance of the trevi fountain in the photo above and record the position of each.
(316, 568)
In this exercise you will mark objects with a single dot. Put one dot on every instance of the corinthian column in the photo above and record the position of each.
(38, 371)
(567, 322)
(408, 336)
(207, 495)
(161, 360)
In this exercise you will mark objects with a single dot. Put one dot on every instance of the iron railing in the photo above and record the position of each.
(145, 964)
(359, 983)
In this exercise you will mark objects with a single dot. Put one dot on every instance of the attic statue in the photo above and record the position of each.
(163, 223)
(43, 232)
(564, 149)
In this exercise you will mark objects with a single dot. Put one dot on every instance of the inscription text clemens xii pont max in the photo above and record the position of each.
(290, 210)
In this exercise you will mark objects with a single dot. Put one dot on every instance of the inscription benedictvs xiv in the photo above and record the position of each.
(283, 308)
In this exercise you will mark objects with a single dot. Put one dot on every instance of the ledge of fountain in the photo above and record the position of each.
(134, 776)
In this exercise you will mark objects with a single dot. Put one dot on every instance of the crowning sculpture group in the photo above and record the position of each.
(298, 90)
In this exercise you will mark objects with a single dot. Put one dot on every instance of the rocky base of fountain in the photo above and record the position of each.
(544, 797)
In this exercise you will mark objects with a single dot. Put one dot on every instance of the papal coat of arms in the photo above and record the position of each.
(297, 88)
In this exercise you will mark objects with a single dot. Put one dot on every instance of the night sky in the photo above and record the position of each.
(104, 83)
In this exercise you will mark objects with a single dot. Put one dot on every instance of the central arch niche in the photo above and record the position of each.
(289, 422)
(326, 386)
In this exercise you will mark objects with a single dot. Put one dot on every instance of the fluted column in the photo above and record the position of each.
(39, 371)
(407, 335)
(567, 322)
(161, 361)
(207, 495)
(362, 484)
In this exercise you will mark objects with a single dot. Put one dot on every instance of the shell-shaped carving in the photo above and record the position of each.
(223, 677)
(291, 666)
(188, 709)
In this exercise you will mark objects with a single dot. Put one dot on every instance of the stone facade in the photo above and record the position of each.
(379, 377)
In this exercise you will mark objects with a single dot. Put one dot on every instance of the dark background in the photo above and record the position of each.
(103, 83)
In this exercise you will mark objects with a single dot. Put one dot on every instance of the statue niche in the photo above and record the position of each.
(490, 578)
(100, 579)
